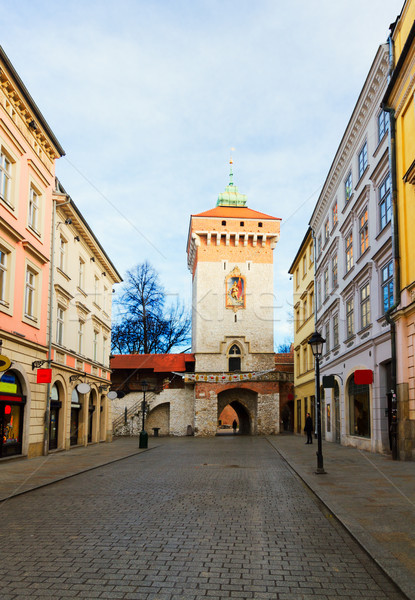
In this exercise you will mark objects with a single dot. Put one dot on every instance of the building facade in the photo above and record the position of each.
(28, 151)
(399, 104)
(233, 364)
(302, 271)
(351, 224)
(80, 320)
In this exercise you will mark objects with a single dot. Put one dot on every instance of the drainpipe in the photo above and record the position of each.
(396, 263)
(52, 267)
(315, 326)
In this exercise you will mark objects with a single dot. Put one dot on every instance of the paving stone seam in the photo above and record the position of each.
(357, 533)
(69, 475)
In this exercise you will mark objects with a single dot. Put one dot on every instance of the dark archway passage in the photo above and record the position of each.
(244, 403)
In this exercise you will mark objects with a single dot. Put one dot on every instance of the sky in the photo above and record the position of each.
(147, 98)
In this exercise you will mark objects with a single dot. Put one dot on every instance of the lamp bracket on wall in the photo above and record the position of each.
(75, 377)
(36, 364)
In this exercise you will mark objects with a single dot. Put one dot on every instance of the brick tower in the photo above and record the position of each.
(230, 254)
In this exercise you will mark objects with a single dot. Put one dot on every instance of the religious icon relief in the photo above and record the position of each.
(235, 290)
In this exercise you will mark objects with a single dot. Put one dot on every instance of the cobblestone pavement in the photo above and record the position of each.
(189, 519)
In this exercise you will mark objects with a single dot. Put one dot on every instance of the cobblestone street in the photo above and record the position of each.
(191, 518)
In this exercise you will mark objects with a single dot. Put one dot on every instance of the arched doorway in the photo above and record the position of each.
(12, 405)
(55, 406)
(159, 419)
(244, 403)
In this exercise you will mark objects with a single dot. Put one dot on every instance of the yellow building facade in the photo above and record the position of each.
(302, 271)
(399, 101)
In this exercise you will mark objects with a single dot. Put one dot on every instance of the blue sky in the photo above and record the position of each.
(148, 97)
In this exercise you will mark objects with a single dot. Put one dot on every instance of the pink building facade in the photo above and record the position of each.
(28, 151)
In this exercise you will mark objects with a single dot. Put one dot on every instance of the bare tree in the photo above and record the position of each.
(146, 324)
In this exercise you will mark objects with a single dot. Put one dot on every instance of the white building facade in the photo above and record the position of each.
(351, 224)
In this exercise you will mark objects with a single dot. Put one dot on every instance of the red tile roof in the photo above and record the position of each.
(237, 212)
(158, 363)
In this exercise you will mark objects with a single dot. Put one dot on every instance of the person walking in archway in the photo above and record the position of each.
(308, 428)
(234, 425)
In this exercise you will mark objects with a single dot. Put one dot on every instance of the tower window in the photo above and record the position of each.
(242, 223)
(223, 222)
(234, 358)
(260, 224)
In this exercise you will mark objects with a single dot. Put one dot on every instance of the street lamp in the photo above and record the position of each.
(316, 342)
(143, 434)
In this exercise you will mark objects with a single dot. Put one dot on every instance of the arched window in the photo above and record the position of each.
(359, 408)
(234, 358)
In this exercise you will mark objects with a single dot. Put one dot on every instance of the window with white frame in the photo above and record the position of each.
(349, 317)
(305, 361)
(4, 260)
(365, 306)
(62, 253)
(364, 231)
(80, 336)
(334, 271)
(305, 310)
(349, 252)
(318, 298)
(34, 209)
(95, 345)
(311, 253)
(81, 273)
(385, 203)
(96, 290)
(362, 160)
(334, 213)
(105, 299)
(60, 318)
(327, 344)
(304, 265)
(319, 245)
(30, 293)
(311, 303)
(348, 187)
(383, 124)
(5, 176)
(297, 277)
(335, 330)
(326, 230)
(387, 286)
(325, 284)
(104, 351)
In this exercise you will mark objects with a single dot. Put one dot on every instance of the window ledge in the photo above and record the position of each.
(388, 224)
(59, 270)
(34, 231)
(363, 255)
(81, 291)
(348, 272)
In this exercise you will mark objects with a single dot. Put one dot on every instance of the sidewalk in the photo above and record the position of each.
(371, 495)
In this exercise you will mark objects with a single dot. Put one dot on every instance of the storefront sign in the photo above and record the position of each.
(44, 376)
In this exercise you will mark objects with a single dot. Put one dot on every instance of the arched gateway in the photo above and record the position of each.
(244, 403)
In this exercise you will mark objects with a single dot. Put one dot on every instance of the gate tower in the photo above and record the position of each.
(230, 255)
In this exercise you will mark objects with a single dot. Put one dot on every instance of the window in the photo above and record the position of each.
(364, 232)
(311, 303)
(104, 351)
(363, 160)
(80, 336)
(311, 253)
(297, 277)
(335, 330)
(297, 319)
(81, 273)
(348, 188)
(318, 246)
(383, 124)
(325, 284)
(349, 317)
(259, 224)
(387, 286)
(30, 294)
(105, 299)
(234, 357)
(223, 222)
(59, 326)
(385, 204)
(62, 253)
(365, 306)
(304, 265)
(359, 408)
(334, 271)
(3, 274)
(241, 223)
(349, 252)
(95, 345)
(5, 177)
(305, 310)
(96, 290)
(335, 216)
(326, 231)
(327, 344)
(305, 363)
(318, 294)
(34, 199)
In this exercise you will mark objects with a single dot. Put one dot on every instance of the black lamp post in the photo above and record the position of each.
(316, 342)
(143, 434)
